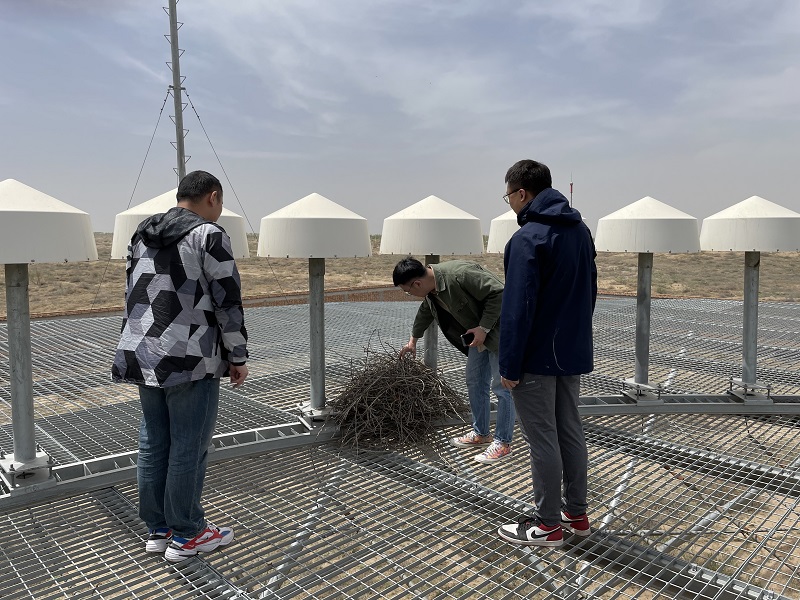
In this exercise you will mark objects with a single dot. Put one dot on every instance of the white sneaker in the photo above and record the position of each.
(495, 452)
(158, 540)
(207, 540)
(530, 531)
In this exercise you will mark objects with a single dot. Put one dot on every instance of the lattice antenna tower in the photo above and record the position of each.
(177, 87)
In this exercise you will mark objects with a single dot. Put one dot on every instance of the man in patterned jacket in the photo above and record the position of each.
(183, 330)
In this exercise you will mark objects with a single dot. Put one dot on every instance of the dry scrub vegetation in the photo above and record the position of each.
(64, 288)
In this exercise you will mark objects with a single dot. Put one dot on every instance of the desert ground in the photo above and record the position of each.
(99, 286)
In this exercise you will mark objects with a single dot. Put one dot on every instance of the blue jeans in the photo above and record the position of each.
(483, 375)
(176, 429)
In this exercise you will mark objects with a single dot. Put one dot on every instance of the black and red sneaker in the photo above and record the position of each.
(530, 531)
(577, 524)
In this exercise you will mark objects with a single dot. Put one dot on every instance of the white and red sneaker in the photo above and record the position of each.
(530, 531)
(207, 540)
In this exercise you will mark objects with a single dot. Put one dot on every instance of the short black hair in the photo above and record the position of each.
(406, 270)
(196, 185)
(529, 175)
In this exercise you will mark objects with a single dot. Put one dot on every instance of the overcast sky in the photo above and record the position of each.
(377, 104)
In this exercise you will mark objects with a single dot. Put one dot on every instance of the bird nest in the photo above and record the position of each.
(394, 402)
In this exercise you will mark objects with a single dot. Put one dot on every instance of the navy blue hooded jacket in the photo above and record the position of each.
(550, 292)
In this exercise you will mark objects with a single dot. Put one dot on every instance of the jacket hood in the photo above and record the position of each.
(549, 206)
(164, 229)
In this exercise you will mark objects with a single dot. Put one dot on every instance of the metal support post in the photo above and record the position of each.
(749, 386)
(27, 465)
(644, 281)
(316, 306)
(432, 333)
(639, 388)
(752, 260)
(19, 343)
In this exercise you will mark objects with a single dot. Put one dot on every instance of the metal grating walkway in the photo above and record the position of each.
(684, 506)
(319, 523)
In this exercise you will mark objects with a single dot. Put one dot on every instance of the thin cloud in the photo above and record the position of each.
(328, 70)
(263, 154)
(769, 97)
(130, 64)
(93, 6)
(431, 95)
(327, 65)
(594, 15)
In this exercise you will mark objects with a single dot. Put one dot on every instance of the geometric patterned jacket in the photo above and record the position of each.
(183, 303)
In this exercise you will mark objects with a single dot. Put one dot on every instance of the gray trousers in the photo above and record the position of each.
(547, 410)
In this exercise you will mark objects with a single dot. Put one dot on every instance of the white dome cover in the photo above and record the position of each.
(126, 222)
(754, 224)
(500, 231)
(647, 225)
(314, 227)
(431, 226)
(35, 227)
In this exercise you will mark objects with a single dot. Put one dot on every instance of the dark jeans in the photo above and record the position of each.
(547, 410)
(175, 432)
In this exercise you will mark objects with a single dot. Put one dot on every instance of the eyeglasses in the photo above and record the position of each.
(506, 197)
(409, 285)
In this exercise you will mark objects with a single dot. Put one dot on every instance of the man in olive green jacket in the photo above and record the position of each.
(464, 298)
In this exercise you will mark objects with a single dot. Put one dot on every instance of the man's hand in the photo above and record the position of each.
(409, 348)
(508, 383)
(480, 336)
(238, 374)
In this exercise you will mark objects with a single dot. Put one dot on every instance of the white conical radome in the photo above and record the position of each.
(754, 224)
(648, 225)
(500, 231)
(314, 227)
(431, 226)
(126, 222)
(35, 227)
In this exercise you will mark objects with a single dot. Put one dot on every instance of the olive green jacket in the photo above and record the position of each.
(473, 296)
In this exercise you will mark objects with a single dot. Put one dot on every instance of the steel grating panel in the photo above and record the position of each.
(690, 506)
(696, 345)
(326, 523)
(79, 550)
(84, 434)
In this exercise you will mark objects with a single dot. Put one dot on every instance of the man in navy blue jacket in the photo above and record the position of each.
(545, 346)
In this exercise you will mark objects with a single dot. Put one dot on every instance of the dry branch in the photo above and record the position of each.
(392, 403)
